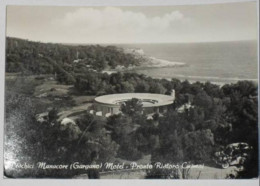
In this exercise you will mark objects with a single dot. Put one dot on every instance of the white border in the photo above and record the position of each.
(116, 2)
(79, 182)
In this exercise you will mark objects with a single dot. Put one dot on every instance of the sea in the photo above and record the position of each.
(217, 62)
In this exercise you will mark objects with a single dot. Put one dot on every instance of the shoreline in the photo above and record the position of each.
(192, 79)
(157, 63)
(150, 61)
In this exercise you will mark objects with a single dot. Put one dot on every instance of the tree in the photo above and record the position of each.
(21, 136)
(53, 115)
(133, 107)
(157, 88)
(142, 87)
(198, 146)
(123, 132)
(126, 87)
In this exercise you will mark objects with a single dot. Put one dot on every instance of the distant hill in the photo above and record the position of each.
(31, 57)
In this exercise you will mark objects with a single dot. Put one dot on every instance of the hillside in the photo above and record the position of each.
(47, 58)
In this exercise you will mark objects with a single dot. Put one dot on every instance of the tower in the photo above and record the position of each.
(173, 94)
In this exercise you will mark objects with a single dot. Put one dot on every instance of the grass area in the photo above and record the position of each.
(47, 92)
(21, 84)
(51, 88)
(83, 99)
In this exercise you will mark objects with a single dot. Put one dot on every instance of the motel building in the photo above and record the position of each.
(108, 105)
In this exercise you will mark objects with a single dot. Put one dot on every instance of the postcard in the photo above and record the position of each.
(131, 92)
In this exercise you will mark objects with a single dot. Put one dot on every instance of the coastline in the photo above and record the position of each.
(149, 62)
(192, 79)
(157, 63)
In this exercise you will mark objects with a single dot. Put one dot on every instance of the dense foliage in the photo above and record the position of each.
(33, 57)
(30, 142)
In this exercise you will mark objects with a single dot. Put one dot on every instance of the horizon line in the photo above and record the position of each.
(106, 43)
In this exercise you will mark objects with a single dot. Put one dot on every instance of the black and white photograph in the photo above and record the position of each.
(131, 92)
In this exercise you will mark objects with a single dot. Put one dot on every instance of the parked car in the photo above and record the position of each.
(233, 154)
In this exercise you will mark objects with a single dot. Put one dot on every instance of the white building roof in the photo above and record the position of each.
(66, 121)
(148, 100)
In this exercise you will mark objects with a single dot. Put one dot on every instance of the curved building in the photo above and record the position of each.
(110, 104)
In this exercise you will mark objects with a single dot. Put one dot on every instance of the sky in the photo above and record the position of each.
(150, 24)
